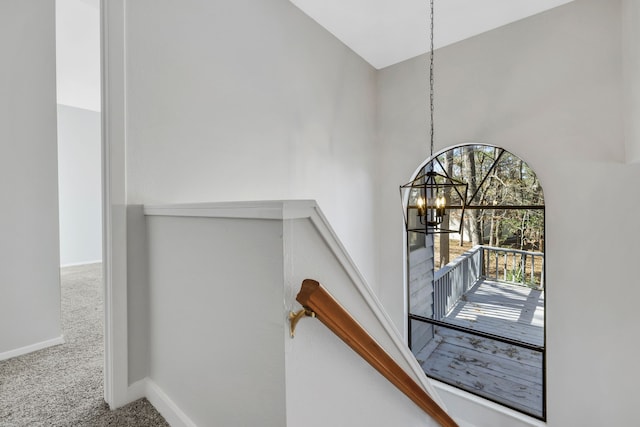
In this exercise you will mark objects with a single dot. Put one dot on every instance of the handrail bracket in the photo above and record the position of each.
(294, 318)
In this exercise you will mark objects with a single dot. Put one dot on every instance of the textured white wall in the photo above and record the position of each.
(29, 246)
(245, 100)
(549, 90)
(80, 185)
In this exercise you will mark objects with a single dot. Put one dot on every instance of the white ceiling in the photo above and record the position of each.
(385, 32)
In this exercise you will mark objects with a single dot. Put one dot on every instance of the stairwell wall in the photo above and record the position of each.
(548, 89)
(244, 100)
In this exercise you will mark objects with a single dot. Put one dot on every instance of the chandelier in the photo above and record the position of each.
(433, 194)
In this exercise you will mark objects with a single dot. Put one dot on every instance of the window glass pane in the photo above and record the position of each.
(505, 373)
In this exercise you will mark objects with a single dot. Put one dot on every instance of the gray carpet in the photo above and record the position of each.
(63, 385)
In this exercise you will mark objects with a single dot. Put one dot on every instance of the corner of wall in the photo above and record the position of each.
(147, 388)
(137, 294)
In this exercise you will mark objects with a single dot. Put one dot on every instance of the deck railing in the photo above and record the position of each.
(514, 266)
(450, 285)
(453, 280)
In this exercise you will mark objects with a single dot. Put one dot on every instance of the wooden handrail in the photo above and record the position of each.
(314, 297)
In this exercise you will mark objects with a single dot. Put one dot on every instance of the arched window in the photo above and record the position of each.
(476, 298)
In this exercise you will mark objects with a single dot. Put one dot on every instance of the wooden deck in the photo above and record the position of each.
(499, 371)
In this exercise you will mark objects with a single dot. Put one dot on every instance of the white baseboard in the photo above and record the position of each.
(159, 399)
(31, 348)
(137, 390)
(78, 264)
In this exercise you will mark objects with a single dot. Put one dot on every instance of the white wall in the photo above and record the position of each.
(29, 247)
(631, 77)
(549, 90)
(244, 100)
(79, 133)
(80, 185)
(223, 279)
(78, 53)
(249, 100)
(216, 324)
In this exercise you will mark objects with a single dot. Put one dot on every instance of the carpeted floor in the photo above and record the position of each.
(63, 385)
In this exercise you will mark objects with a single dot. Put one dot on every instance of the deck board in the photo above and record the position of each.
(502, 309)
(499, 371)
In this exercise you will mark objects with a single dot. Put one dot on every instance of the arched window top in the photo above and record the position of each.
(495, 176)
(505, 199)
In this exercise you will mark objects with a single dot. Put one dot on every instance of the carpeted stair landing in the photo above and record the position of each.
(63, 385)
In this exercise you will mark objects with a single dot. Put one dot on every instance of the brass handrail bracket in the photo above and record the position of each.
(294, 318)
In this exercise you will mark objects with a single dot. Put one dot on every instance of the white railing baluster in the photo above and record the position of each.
(533, 267)
(506, 254)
